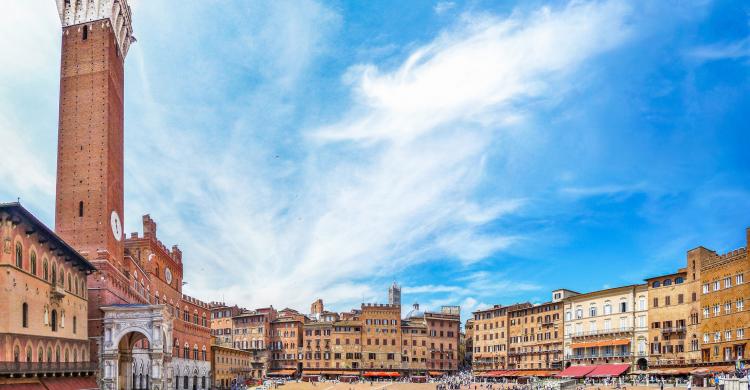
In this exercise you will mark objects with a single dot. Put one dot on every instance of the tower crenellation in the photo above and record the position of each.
(116, 12)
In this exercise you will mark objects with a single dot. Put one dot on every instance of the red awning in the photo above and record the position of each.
(606, 370)
(281, 373)
(382, 373)
(436, 373)
(70, 383)
(576, 371)
(22, 386)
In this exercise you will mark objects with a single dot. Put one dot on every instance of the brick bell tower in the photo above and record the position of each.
(96, 35)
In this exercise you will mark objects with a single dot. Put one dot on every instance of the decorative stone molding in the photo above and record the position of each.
(73, 12)
(130, 323)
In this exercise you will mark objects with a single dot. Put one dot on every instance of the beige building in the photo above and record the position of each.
(607, 327)
(673, 317)
(535, 335)
(230, 366)
(381, 336)
(491, 337)
(725, 319)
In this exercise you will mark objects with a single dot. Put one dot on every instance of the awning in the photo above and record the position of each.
(70, 383)
(713, 369)
(603, 343)
(576, 371)
(382, 374)
(607, 370)
(281, 373)
(436, 373)
(23, 386)
(668, 371)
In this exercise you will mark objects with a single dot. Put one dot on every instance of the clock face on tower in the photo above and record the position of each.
(114, 221)
(168, 275)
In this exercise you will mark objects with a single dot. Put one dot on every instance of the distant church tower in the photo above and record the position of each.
(96, 35)
(394, 294)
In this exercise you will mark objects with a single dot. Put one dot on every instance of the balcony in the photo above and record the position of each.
(21, 368)
(679, 329)
(58, 291)
(602, 332)
(600, 356)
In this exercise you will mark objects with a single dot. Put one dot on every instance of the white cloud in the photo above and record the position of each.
(444, 6)
(720, 51)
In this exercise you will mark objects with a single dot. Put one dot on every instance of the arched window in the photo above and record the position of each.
(33, 263)
(62, 277)
(195, 352)
(203, 353)
(16, 354)
(29, 356)
(25, 315)
(49, 354)
(67, 355)
(679, 280)
(667, 282)
(19, 255)
(186, 351)
(53, 321)
(656, 284)
(57, 354)
(45, 269)
(185, 382)
(70, 282)
(75, 324)
(40, 355)
(54, 274)
(75, 355)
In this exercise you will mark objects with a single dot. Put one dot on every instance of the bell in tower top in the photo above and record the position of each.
(73, 12)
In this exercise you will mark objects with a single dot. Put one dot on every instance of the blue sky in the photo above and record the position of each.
(477, 152)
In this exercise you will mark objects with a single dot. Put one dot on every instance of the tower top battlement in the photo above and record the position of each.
(74, 12)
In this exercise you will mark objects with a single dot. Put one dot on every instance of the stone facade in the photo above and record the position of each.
(230, 366)
(535, 337)
(44, 301)
(725, 317)
(491, 337)
(673, 317)
(608, 326)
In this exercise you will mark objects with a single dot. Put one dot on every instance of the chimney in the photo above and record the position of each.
(149, 227)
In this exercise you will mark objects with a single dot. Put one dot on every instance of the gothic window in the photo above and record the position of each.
(85, 37)
(57, 354)
(25, 315)
(75, 324)
(28, 355)
(185, 382)
(19, 255)
(45, 269)
(33, 263)
(53, 322)
(54, 274)
(40, 355)
(70, 282)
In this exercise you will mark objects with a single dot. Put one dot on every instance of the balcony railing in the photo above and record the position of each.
(627, 329)
(600, 355)
(46, 368)
(678, 329)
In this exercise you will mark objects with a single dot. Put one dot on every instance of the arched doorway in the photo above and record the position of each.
(642, 364)
(136, 336)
